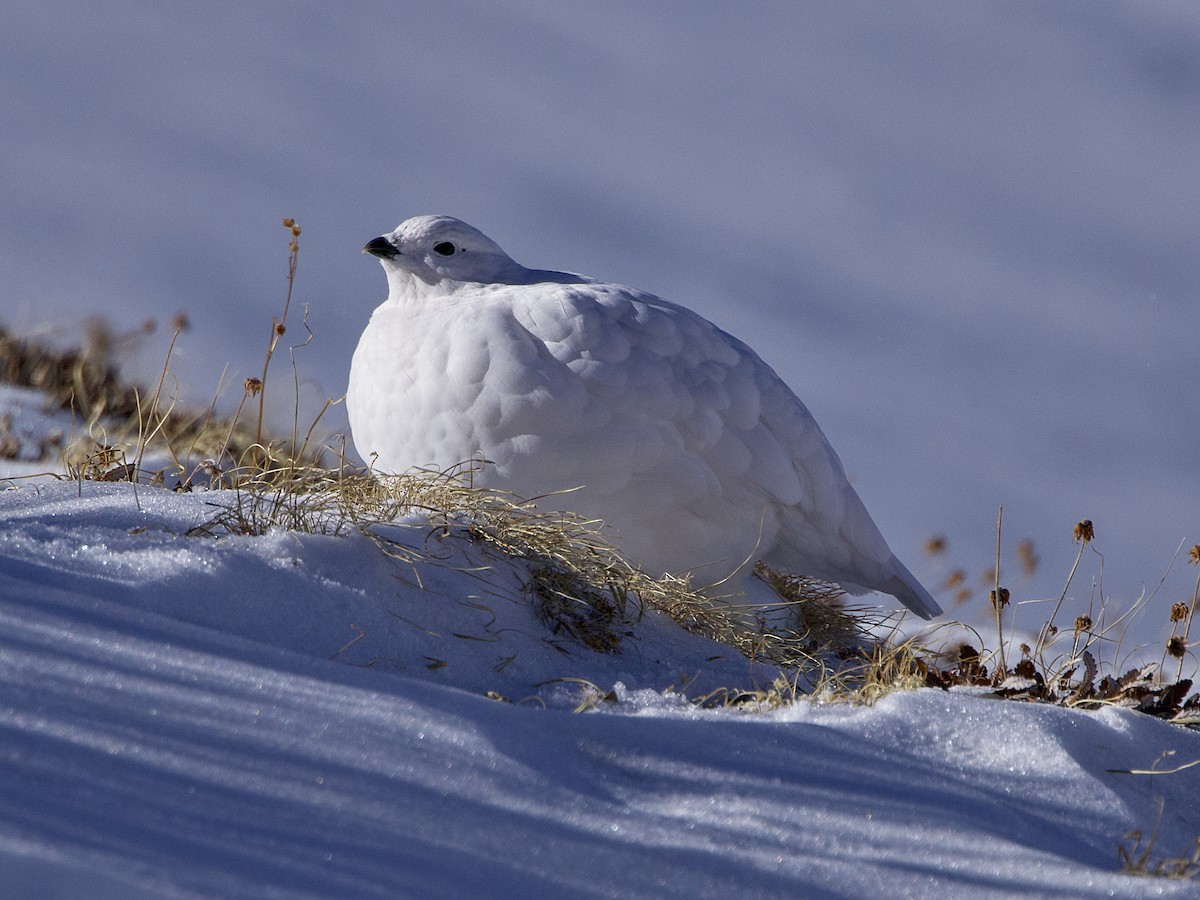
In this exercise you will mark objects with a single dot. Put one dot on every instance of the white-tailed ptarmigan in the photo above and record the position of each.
(673, 433)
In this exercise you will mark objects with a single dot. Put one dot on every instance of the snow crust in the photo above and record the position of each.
(187, 716)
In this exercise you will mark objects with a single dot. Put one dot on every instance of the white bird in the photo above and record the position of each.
(675, 434)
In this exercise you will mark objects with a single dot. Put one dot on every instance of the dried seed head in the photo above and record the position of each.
(179, 321)
(1083, 623)
(279, 329)
(1051, 630)
(963, 595)
(1178, 612)
(1004, 595)
(1027, 557)
(289, 223)
(1025, 649)
(253, 387)
(1176, 647)
(1026, 669)
(1084, 531)
(1194, 555)
(954, 579)
(936, 545)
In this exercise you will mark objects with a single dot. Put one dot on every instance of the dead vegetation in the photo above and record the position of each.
(122, 431)
(578, 586)
(1077, 665)
(115, 422)
(1139, 853)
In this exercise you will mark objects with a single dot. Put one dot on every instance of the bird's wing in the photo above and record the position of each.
(684, 402)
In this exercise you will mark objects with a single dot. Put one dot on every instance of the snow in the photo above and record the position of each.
(30, 431)
(183, 716)
(304, 716)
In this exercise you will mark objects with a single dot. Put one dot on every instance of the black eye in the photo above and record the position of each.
(445, 248)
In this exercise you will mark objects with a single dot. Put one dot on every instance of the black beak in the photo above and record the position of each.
(382, 247)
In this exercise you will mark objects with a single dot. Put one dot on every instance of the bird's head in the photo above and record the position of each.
(442, 251)
(439, 249)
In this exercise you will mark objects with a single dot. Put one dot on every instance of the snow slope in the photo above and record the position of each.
(188, 716)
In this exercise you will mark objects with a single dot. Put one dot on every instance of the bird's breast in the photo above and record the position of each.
(438, 387)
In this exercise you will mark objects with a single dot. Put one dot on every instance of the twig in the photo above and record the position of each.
(1194, 762)
(998, 599)
(1049, 629)
(278, 326)
(1191, 614)
(144, 439)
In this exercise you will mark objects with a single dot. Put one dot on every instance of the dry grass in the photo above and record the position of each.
(1078, 665)
(1139, 854)
(1138, 857)
(117, 421)
(124, 432)
(578, 585)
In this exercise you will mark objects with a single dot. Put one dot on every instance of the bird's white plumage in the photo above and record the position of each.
(676, 435)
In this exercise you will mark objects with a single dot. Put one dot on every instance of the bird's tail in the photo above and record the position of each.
(904, 586)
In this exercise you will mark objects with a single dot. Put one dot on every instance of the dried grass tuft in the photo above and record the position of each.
(578, 584)
(1139, 854)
